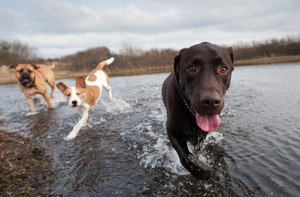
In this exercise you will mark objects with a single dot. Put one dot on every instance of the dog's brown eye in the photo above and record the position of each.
(68, 94)
(192, 69)
(77, 94)
(21, 70)
(29, 71)
(223, 69)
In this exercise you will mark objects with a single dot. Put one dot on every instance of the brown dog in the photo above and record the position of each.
(31, 80)
(193, 95)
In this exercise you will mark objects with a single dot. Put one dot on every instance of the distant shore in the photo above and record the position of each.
(7, 76)
(268, 60)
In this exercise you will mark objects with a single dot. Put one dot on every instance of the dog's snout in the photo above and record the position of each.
(74, 103)
(25, 75)
(210, 100)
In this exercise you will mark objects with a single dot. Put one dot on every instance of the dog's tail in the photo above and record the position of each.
(104, 63)
(52, 64)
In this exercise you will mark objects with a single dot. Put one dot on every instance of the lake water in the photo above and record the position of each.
(124, 149)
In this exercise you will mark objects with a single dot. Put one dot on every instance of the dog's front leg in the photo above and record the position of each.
(30, 102)
(196, 167)
(77, 127)
(46, 97)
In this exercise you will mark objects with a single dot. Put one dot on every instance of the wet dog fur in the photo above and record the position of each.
(193, 95)
(86, 94)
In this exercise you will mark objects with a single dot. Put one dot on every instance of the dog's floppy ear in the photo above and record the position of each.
(61, 86)
(13, 66)
(177, 60)
(35, 66)
(230, 51)
(80, 82)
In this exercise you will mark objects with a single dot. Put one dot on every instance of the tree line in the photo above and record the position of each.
(16, 51)
(135, 59)
(268, 48)
(129, 59)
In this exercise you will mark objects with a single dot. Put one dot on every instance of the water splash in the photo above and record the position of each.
(118, 105)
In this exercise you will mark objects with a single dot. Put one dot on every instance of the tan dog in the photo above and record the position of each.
(86, 93)
(31, 80)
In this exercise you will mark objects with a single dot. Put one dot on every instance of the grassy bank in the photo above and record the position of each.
(268, 60)
(7, 76)
(23, 166)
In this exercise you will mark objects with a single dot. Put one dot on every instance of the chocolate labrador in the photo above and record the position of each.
(193, 95)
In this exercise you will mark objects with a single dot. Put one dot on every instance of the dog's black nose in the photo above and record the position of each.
(25, 75)
(210, 100)
(74, 103)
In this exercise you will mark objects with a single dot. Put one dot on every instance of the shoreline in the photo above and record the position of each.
(268, 60)
(8, 77)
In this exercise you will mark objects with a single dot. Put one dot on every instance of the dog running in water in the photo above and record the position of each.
(86, 93)
(193, 95)
(31, 80)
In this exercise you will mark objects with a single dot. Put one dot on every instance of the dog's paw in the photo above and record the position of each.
(51, 107)
(70, 137)
(201, 164)
(32, 113)
(198, 168)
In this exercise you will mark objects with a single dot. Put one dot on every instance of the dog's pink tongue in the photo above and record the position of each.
(208, 122)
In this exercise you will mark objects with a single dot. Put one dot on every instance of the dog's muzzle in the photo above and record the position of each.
(211, 103)
(207, 111)
(25, 79)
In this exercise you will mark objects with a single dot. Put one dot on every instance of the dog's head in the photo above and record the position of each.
(25, 74)
(75, 95)
(203, 74)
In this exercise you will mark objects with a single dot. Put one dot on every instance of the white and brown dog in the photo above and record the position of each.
(86, 93)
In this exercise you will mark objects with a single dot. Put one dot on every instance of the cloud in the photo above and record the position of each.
(59, 45)
(61, 17)
(10, 22)
(134, 19)
(56, 27)
(64, 17)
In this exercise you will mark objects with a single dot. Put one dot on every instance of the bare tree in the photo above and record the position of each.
(16, 52)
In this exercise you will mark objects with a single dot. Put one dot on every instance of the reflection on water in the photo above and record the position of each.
(124, 149)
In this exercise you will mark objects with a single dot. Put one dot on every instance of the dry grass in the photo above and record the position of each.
(23, 166)
(139, 71)
(268, 60)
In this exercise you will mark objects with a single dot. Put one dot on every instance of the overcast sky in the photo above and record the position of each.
(57, 28)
